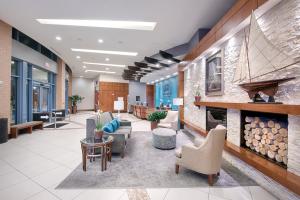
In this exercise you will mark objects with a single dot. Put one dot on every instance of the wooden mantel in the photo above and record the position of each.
(258, 107)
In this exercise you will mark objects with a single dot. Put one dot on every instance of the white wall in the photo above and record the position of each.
(136, 89)
(85, 88)
(25, 53)
(111, 78)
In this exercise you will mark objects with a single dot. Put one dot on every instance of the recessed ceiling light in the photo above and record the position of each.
(157, 65)
(123, 53)
(83, 66)
(136, 25)
(104, 64)
(80, 76)
(78, 57)
(106, 59)
(97, 71)
(169, 61)
(58, 38)
(106, 68)
(100, 40)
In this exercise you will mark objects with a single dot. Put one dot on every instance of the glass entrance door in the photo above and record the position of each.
(40, 98)
(45, 99)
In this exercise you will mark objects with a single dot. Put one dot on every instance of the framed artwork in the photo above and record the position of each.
(214, 76)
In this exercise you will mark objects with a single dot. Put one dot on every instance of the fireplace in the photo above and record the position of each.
(215, 116)
(266, 134)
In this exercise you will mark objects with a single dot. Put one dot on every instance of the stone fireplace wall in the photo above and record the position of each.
(281, 25)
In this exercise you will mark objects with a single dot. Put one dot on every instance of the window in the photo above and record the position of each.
(39, 75)
(14, 91)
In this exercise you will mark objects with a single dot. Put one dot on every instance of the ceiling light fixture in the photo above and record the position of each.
(78, 57)
(103, 64)
(169, 61)
(97, 71)
(106, 59)
(83, 66)
(168, 76)
(157, 65)
(106, 68)
(135, 25)
(58, 38)
(80, 76)
(100, 40)
(122, 53)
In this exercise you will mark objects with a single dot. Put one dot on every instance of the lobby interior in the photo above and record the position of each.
(150, 100)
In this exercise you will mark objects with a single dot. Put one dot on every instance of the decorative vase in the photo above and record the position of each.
(98, 134)
(197, 98)
(154, 125)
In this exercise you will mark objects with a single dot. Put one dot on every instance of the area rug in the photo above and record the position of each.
(147, 167)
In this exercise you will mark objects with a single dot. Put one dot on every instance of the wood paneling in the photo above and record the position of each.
(181, 93)
(270, 169)
(268, 108)
(109, 92)
(238, 13)
(150, 95)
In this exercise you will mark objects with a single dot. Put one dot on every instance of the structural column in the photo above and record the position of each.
(181, 90)
(60, 84)
(5, 69)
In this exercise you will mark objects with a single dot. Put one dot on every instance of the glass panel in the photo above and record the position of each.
(14, 67)
(39, 75)
(35, 99)
(45, 99)
(13, 100)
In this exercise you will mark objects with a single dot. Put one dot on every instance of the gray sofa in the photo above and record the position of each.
(121, 135)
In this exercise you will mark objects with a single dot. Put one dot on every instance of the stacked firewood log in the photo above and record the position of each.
(267, 137)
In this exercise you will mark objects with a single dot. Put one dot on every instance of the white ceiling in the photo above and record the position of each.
(177, 21)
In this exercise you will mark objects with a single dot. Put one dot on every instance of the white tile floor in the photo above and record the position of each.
(32, 165)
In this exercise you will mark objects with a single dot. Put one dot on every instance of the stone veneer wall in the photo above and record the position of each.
(281, 25)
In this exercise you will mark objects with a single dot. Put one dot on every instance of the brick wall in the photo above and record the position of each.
(60, 84)
(5, 67)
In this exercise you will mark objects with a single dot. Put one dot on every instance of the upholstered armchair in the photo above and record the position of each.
(171, 121)
(205, 157)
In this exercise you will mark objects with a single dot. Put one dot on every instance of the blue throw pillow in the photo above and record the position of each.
(114, 124)
(108, 128)
(118, 122)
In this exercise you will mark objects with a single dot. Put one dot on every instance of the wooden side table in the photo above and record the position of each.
(103, 144)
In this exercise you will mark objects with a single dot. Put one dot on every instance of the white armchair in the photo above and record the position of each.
(205, 157)
(171, 121)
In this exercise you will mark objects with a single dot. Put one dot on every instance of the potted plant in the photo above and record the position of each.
(75, 99)
(99, 125)
(155, 117)
(197, 94)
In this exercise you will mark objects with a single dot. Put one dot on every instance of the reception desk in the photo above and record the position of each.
(142, 111)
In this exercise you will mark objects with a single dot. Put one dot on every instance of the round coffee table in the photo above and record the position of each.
(164, 138)
(104, 144)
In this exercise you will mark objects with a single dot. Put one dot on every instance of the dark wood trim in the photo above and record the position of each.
(195, 128)
(268, 108)
(237, 14)
(277, 173)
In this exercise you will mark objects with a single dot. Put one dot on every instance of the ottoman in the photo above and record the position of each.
(164, 138)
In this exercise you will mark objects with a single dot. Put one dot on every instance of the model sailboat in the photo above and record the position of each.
(259, 57)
